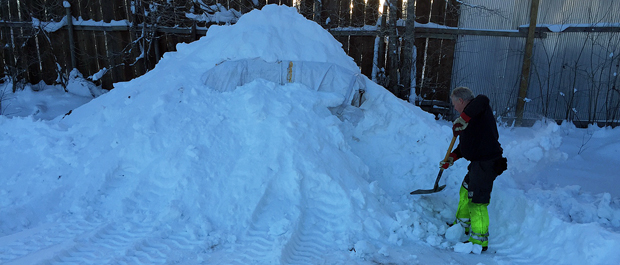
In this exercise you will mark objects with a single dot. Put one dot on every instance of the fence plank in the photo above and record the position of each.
(86, 63)
(85, 52)
(61, 50)
(423, 11)
(371, 12)
(434, 85)
(5, 39)
(344, 40)
(95, 10)
(362, 51)
(26, 45)
(329, 11)
(438, 12)
(112, 48)
(399, 8)
(306, 8)
(3, 54)
(104, 59)
(31, 53)
(357, 13)
(287, 2)
(107, 10)
(117, 40)
(48, 58)
(98, 52)
(344, 13)
(83, 10)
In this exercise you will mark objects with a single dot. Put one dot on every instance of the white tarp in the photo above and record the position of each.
(325, 77)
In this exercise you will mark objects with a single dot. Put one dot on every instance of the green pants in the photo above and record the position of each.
(474, 217)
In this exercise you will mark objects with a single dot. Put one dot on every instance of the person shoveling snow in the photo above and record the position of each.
(479, 144)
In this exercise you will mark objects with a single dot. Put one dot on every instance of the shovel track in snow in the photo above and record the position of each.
(43, 237)
(82, 242)
(317, 229)
(311, 239)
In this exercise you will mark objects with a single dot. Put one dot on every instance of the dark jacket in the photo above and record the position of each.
(479, 141)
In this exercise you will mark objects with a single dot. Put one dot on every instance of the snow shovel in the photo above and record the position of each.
(437, 188)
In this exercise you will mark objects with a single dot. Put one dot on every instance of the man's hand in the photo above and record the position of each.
(460, 124)
(445, 164)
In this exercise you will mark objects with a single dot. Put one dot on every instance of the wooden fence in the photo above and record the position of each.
(36, 51)
(138, 32)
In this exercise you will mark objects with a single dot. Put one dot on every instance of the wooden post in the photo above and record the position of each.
(318, 7)
(193, 32)
(156, 45)
(407, 72)
(381, 44)
(71, 40)
(527, 61)
(392, 55)
(7, 42)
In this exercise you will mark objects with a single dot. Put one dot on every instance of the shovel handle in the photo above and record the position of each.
(450, 149)
(445, 160)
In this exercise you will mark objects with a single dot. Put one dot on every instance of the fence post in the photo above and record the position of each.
(380, 66)
(408, 66)
(527, 61)
(7, 46)
(392, 56)
(70, 28)
(194, 31)
(156, 44)
(318, 6)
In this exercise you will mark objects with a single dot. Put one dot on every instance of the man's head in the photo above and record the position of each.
(460, 97)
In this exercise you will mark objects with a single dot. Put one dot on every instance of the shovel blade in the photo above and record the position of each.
(438, 189)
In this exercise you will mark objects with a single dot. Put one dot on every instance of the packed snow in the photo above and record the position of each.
(165, 169)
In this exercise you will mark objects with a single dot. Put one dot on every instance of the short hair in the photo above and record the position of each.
(462, 93)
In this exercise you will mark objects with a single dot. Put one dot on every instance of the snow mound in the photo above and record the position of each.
(265, 160)
(528, 150)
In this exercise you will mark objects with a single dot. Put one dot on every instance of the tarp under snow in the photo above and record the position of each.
(320, 76)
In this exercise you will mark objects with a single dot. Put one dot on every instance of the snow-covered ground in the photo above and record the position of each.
(167, 170)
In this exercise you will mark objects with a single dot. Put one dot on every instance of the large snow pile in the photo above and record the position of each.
(175, 171)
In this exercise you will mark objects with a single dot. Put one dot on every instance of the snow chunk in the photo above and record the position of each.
(363, 248)
(464, 247)
(535, 154)
(455, 233)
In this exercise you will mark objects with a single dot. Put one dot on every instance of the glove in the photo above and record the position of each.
(460, 124)
(445, 164)
(500, 165)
